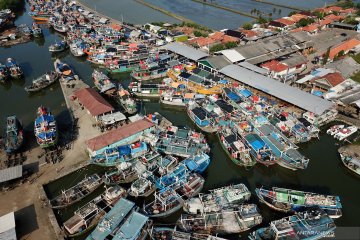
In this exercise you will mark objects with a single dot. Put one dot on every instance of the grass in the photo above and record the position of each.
(356, 57)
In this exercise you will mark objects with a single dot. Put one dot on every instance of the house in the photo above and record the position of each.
(127, 134)
(153, 28)
(344, 46)
(333, 17)
(327, 81)
(93, 102)
(297, 17)
(282, 23)
(276, 69)
(347, 66)
(311, 29)
(202, 41)
(330, 9)
(323, 24)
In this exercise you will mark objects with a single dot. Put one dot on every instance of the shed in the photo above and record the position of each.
(7, 227)
(103, 20)
(93, 101)
(186, 51)
(11, 173)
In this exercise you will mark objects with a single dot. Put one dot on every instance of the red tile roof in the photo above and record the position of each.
(93, 101)
(274, 66)
(285, 21)
(311, 28)
(345, 46)
(297, 17)
(333, 79)
(248, 33)
(325, 22)
(228, 38)
(334, 17)
(217, 36)
(348, 10)
(116, 135)
(202, 41)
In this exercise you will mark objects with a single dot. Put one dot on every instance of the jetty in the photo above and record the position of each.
(226, 8)
(280, 5)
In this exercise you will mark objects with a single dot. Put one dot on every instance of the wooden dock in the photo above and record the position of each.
(226, 8)
(279, 5)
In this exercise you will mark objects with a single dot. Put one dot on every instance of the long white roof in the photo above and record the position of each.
(186, 51)
(277, 89)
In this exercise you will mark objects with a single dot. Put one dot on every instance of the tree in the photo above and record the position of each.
(291, 13)
(262, 20)
(229, 45)
(247, 26)
(339, 55)
(326, 56)
(217, 47)
(14, 5)
(197, 34)
(304, 22)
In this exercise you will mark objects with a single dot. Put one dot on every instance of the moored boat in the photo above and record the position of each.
(351, 162)
(146, 89)
(287, 200)
(77, 192)
(218, 199)
(334, 129)
(103, 83)
(43, 81)
(201, 118)
(197, 163)
(228, 221)
(4, 73)
(126, 172)
(45, 128)
(13, 134)
(113, 194)
(345, 132)
(144, 186)
(14, 68)
(191, 185)
(58, 46)
(66, 72)
(166, 233)
(125, 100)
(36, 31)
(311, 224)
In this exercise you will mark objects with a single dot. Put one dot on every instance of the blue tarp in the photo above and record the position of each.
(245, 92)
(124, 150)
(223, 81)
(317, 93)
(233, 96)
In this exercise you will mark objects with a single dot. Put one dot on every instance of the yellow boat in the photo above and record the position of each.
(197, 88)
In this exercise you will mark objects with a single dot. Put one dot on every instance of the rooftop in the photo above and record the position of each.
(344, 46)
(11, 173)
(7, 227)
(186, 51)
(93, 101)
(116, 135)
(279, 90)
(274, 66)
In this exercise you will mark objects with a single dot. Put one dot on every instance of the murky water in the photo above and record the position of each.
(325, 173)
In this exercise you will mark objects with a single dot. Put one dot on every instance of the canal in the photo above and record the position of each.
(325, 173)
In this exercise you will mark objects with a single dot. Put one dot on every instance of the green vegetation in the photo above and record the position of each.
(160, 24)
(345, 3)
(356, 77)
(263, 20)
(195, 26)
(200, 34)
(247, 26)
(350, 20)
(339, 55)
(292, 13)
(356, 57)
(14, 5)
(326, 56)
(304, 22)
(220, 46)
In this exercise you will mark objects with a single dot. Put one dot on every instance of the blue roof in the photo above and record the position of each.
(245, 92)
(132, 227)
(233, 96)
(111, 220)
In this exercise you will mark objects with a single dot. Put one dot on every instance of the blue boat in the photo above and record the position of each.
(176, 177)
(4, 73)
(286, 152)
(14, 68)
(116, 155)
(134, 228)
(13, 138)
(201, 118)
(58, 46)
(112, 220)
(45, 128)
(308, 225)
(198, 163)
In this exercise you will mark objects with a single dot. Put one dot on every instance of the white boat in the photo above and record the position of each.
(345, 132)
(334, 129)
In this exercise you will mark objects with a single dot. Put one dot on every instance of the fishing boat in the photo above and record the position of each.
(201, 118)
(177, 99)
(166, 202)
(125, 100)
(144, 186)
(45, 128)
(167, 164)
(4, 73)
(13, 134)
(287, 200)
(40, 16)
(146, 89)
(286, 152)
(166, 233)
(173, 179)
(126, 172)
(197, 163)
(236, 150)
(60, 27)
(345, 132)
(111, 221)
(218, 199)
(77, 48)
(228, 221)
(43, 81)
(113, 194)
(152, 73)
(311, 224)
(14, 68)
(334, 129)
(36, 31)
(135, 227)
(115, 155)
(58, 47)
(351, 162)
(259, 150)
(77, 192)
(191, 185)
(86, 217)
(66, 72)
(103, 83)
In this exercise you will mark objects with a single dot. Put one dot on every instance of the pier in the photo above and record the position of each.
(225, 8)
(279, 5)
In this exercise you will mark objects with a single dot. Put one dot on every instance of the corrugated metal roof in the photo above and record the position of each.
(232, 55)
(217, 62)
(277, 89)
(10, 173)
(7, 227)
(186, 51)
(253, 68)
(117, 135)
(93, 101)
(294, 61)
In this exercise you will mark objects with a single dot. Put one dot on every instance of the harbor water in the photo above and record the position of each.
(325, 173)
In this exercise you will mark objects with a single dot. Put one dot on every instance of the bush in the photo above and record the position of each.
(217, 47)
(14, 5)
(230, 45)
(247, 26)
(304, 22)
(292, 13)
